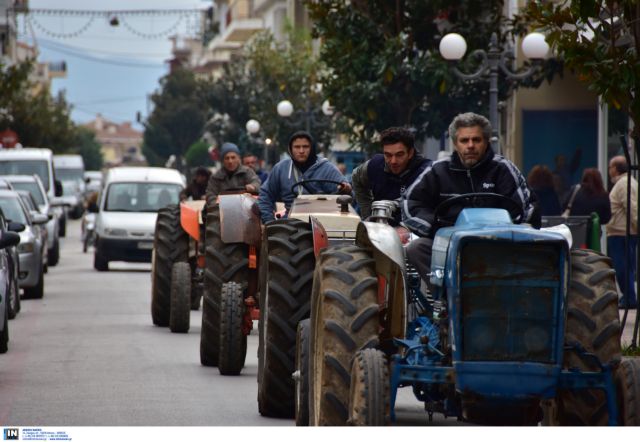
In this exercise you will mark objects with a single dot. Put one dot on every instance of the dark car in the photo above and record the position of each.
(8, 239)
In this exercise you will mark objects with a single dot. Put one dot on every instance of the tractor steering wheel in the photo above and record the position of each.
(478, 199)
(304, 184)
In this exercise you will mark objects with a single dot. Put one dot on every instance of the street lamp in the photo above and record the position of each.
(453, 47)
(307, 116)
(253, 128)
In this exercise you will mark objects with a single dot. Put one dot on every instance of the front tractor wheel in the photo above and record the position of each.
(224, 263)
(627, 381)
(233, 341)
(344, 320)
(369, 400)
(180, 297)
(170, 245)
(301, 375)
(286, 278)
(592, 322)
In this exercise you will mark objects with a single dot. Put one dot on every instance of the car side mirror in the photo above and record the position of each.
(9, 239)
(57, 188)
(15, 226)
(87, 180)
(39, 218)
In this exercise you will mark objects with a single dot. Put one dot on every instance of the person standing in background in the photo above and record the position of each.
(591, 196)
(616, 230)
(540, 181)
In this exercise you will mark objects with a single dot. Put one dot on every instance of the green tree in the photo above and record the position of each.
(39, 119)
(599, 40)
(198, 155)
(384, 68)
(254, 82)
(88, 147)
(178, 118)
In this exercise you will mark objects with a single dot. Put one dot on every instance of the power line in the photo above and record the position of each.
(111, 100)
(88, 57)
(98, 51)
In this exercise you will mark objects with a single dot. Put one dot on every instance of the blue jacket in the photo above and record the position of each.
(277, 188)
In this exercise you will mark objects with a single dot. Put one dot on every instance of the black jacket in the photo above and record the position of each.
(373, 181)
(448, 177)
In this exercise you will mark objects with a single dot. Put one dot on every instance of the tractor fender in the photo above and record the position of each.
(320, 237)
(191, 217)
(388, 253)
(240, 219)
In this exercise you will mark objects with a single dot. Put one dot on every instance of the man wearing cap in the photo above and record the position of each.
(198, 186)
(304, 165)
(232, 175)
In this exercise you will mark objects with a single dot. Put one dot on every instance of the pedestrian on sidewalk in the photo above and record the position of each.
(616, 230)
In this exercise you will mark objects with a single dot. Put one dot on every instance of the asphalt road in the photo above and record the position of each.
(87, 354)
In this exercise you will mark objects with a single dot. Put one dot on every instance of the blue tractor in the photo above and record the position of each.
(515, 329)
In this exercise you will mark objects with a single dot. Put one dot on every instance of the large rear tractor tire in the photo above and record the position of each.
(233, 342)
(286, 279)
(344, 320)
(627, 381)
(302, 372)
(180, 297)
(592, 321)
(170, 245)
(369, 400)
(224, 263)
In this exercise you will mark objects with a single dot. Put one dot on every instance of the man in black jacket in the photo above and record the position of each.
(388, 175)
(472, 168)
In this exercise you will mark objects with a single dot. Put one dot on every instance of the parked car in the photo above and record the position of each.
(33, 184)
(127, 211)
(32, 206)
(7, 239)
(29, 161)
(70, 171)
(31, 247)
(13, 260)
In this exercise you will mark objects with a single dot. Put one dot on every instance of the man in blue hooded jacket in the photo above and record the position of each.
(303, 165)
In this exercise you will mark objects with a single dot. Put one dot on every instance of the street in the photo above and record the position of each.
(87, 354)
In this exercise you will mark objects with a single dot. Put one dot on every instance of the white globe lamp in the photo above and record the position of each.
(453, 46)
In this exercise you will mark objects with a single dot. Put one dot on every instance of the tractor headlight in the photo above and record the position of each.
(536, 339)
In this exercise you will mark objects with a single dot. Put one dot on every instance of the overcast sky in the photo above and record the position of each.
(110, 70)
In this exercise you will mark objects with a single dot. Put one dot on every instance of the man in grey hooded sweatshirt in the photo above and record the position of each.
(303, 165)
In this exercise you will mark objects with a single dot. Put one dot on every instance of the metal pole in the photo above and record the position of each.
(494, 58)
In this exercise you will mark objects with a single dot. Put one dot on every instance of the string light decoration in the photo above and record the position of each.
(115, 18)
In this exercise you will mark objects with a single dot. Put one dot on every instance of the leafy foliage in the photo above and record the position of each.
(598, 39)
(178, 117)
(198, 155)
(39, 119)
(254, 82)
(384, 67)
(86, 145)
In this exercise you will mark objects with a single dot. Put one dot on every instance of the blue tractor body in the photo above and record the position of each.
(498, 346)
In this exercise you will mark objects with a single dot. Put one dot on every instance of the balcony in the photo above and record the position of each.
(240, 22)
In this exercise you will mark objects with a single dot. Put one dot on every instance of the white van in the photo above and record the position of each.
(38, 161)
(70, 171)
(127, 212)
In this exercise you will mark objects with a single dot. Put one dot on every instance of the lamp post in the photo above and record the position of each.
(253, 128)
(453, 47)
(307, 116)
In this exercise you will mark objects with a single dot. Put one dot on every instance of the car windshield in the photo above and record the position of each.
(69, 174)
(12, 209)
(141, 197)
(26, 167)
(33, 189)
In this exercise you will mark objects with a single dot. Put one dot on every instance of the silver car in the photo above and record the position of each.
(31, 247)
(33, 184)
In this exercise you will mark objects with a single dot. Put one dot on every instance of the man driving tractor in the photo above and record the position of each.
(304, 165)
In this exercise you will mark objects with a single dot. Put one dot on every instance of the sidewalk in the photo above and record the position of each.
(627, 333)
